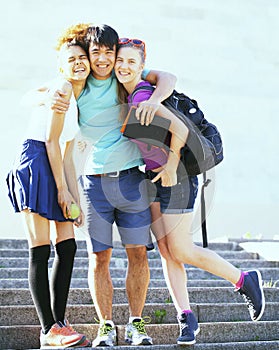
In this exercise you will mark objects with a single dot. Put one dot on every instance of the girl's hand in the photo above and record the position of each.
(80, 220)
(65, 200)
(168, 177)
(146, 111)
(81, 145)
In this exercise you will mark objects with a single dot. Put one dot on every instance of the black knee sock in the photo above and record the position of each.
(39, 284)
(61, 277)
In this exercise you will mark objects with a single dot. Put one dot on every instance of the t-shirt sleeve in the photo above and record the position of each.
(145, 73)
(141, 95)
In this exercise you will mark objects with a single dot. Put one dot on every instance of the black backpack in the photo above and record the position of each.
(204, 147)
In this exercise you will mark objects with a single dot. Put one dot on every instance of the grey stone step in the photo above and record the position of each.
(81, 244)
(227, 254)
(157, 312)
(252, 240)
(122, 263)
(154, 295)
(9, 283)
(27, 337)
(264, 345)
(222, 314)
(268, 273)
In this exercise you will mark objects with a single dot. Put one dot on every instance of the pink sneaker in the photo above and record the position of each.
(60, 336)
(85, 344)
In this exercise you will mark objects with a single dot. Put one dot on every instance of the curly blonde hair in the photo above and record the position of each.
(74, 34)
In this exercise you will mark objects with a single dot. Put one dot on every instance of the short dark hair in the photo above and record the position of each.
(102, 35)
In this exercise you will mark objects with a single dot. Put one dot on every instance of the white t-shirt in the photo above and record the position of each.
(40, 115)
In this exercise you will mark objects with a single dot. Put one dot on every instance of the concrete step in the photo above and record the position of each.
(18, 262)
(120, 253)
(81, 244)
(268, 273)
(27, 337)
(157, 312)
(154, 295)
(10, 283)
(264, 345)
(222, 314)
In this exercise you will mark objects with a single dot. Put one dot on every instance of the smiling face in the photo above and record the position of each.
(74, 63)
(128, 66)
(102, 59)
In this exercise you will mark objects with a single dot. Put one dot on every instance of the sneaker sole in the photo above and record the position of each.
(186, 343)
(262, 294)
(85, 344)
(77, 342)
(143, 342)
(103, 344)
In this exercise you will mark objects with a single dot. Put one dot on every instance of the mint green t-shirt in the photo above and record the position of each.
(100, 122)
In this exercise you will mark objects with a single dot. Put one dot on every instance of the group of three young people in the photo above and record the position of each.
(115, 190)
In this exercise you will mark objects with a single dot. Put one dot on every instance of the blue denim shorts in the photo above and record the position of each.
(122, 200)
(177, 199)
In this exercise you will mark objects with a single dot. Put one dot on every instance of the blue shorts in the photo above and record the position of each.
(122, 200)
(31, 184)
(177, 199)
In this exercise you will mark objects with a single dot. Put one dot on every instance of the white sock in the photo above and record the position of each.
(132, 318)
(109, 322)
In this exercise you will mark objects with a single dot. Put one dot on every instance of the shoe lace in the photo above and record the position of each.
(140, 325)
(70, 328)
(105, 329)
(184, 327)
(63, 330)
(248, 302)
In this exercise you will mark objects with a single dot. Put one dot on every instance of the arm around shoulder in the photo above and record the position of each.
(165, 84)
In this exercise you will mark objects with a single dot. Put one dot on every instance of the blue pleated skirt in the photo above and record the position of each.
(31, 184)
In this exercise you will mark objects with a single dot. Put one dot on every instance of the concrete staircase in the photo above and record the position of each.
(223, 317)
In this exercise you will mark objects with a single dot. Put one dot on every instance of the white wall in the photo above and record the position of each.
(225, 54)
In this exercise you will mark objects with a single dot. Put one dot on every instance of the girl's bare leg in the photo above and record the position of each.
(182, 247)
(174, 271)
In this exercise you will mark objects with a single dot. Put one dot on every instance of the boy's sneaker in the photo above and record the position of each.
(189, 328)
(83, 343)
(106, 335)
(135, 333)
(60, 336)
(252, 293)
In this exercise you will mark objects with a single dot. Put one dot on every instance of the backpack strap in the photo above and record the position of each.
(141, 88)
(206, 182)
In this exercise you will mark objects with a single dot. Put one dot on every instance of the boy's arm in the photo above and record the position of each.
(165, 84)
(56, 99)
